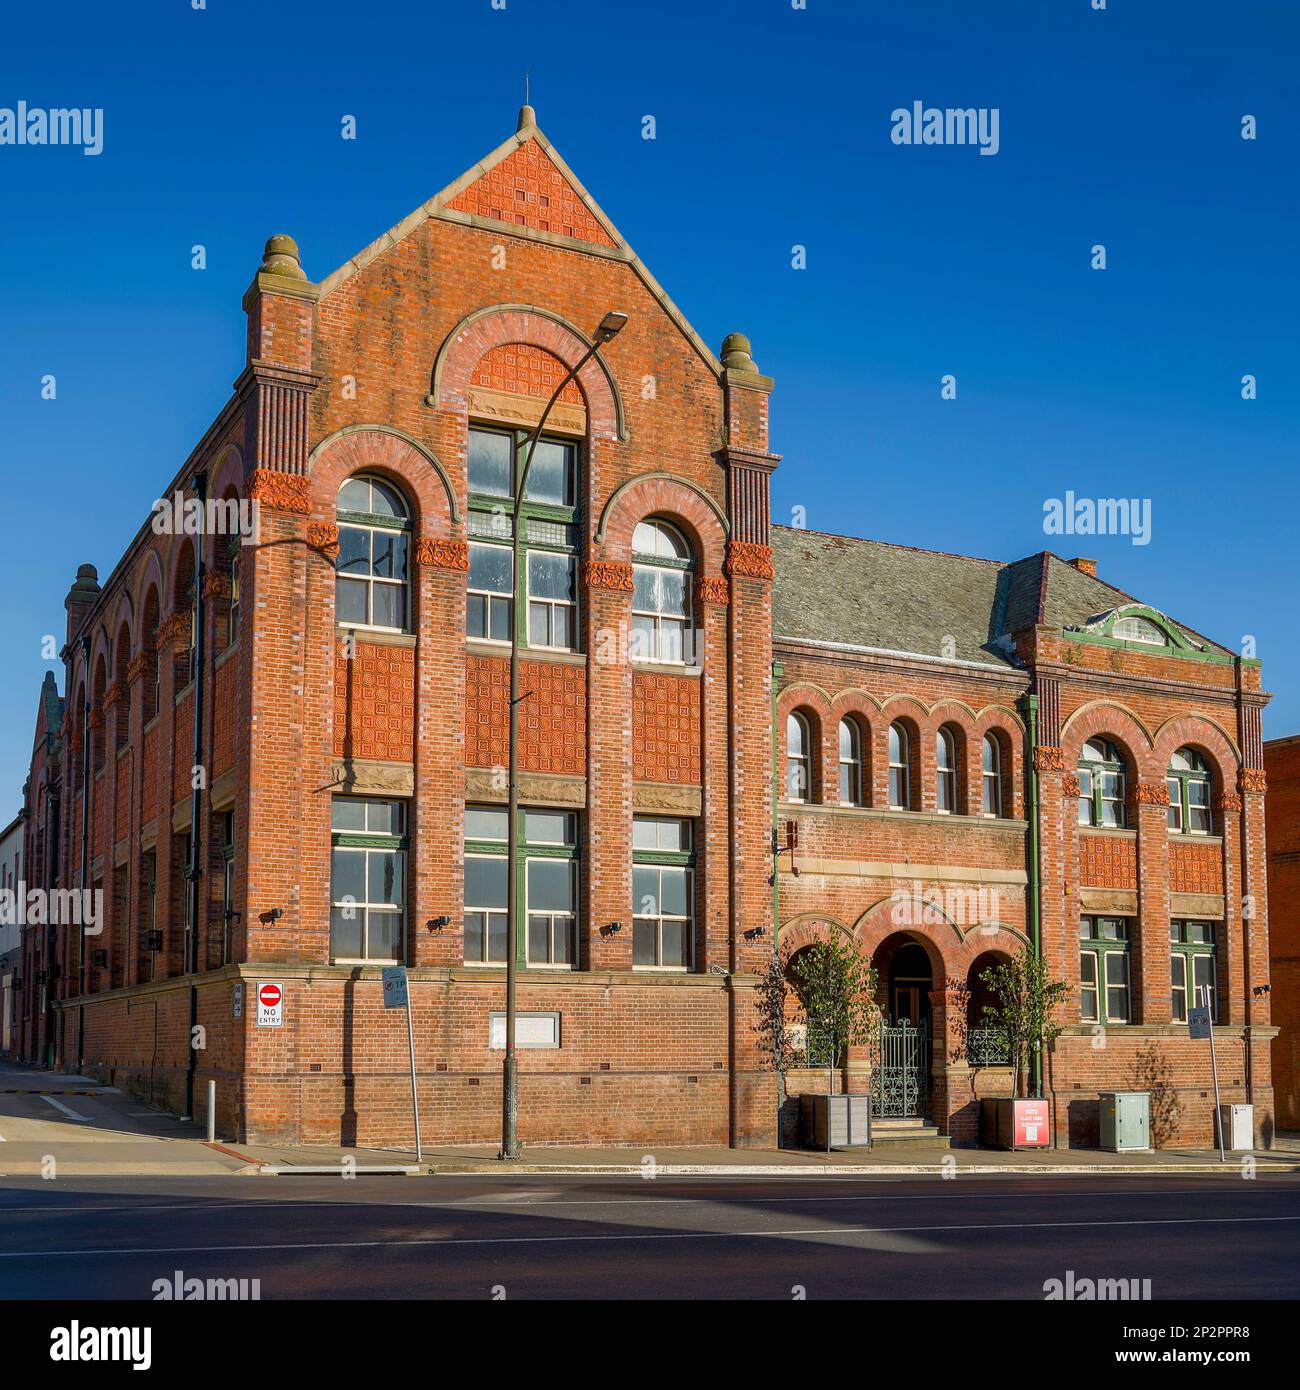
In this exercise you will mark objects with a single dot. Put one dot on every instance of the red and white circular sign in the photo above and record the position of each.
(269, 996)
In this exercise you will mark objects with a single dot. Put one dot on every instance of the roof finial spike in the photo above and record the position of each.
(527, 116)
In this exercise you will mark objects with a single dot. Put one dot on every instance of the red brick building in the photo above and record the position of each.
(1282, 763)
(323, 702)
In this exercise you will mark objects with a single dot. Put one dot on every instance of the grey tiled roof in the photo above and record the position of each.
(896, 598)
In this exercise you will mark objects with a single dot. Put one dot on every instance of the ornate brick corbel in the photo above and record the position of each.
(1049, 758)
(1252, 779)
(442, 555)
(750, 560)
(714, 589)
(96, 720)
(1148, 794)
(284, 492)
(74, 743)
(141, 665)
(1227, 801)
(114, 693)
(216, 584)
(324, 536)
(607, 574)
(1070, 787)
(175, 627)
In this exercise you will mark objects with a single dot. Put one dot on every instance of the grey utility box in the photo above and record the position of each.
(1238, 1123)
(1125, 1120)
(850, 1121)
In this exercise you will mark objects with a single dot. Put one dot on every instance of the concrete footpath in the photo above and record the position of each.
(70, 1126)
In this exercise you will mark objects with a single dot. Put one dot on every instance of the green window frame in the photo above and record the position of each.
(232, 610)
(1189, 782)
(798, 757)
(548, 551)
(1105, 987)
(662, 613)
(1103, 786)
(1193, 967)
(900, 767)
(851, 762)
(372, 587)
(547, 868)
(663, 893)
(368, 877)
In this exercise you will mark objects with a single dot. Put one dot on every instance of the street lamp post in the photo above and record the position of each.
(606, 331)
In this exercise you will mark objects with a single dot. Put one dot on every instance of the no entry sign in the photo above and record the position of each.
(270, 1005)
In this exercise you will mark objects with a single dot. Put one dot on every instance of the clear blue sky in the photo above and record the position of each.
(1119, 126)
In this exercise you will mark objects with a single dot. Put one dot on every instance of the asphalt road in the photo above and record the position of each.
(612, 1238)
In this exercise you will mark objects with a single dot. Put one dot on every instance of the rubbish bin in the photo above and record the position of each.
(1125, 1120)
(1238, 1123)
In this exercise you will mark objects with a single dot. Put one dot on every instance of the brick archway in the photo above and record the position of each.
(381, 449)
(478, 334)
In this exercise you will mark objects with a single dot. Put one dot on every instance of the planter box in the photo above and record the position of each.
(1015, 1124)
(849, 1120)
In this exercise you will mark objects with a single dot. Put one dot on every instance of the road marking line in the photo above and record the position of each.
(59, 1105)
(255, 1204)
(653, 1235)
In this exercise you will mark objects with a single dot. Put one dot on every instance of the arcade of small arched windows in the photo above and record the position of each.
(948, 761)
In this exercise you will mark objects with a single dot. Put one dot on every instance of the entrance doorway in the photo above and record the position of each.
(901, 1064)
(910, 983)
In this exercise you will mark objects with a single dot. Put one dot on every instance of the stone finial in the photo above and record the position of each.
(85, 587)
(527, 118)
(736, 354)
(281, 258)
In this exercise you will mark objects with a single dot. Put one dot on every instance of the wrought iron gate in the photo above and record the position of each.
(898, 1077)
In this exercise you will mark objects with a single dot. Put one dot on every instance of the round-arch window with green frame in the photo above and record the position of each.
(372, 587)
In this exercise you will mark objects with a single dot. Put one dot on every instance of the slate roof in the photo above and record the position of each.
(897, 598)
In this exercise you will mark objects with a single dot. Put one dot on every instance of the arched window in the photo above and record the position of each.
(992, 776)
(373, 568)
(900, 768)
(661, 593)
(1189, 794)
(798, 759)
(945, 770)
(1102, 785)
(850, 763)
(1134, 629)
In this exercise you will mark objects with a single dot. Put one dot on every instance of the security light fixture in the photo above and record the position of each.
(437, 923)
(613, 929)
(610, 326)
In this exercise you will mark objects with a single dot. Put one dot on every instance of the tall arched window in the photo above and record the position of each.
(373, 568)
(661, 593)
(798, 758)
(992, 776)
(850, 763)
(900, 768)
(1189, 793)
(945, 772)
(1102, 785)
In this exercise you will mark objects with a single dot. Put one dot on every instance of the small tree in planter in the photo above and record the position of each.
(837, 988)
(1024, 1012)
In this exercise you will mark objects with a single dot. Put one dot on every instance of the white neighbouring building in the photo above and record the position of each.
(11, 873)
